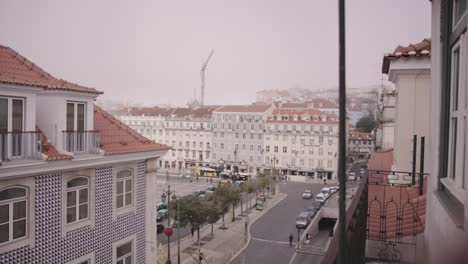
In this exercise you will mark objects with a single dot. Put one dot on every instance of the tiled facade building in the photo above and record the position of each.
(75, 183)
(360, 144)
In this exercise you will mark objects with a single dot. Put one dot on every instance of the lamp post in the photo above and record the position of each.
(174, 197)
(274, 176)
(168, 230)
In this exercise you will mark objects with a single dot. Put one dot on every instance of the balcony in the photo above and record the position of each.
(86, 142)
(22, 145)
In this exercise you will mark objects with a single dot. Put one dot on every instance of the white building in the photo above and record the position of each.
(302, 142)
(409, 69)
(385, 133)
(360, 144)
(446, 235)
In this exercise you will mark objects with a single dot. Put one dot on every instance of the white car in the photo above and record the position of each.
(307, 194)
(351, 176)
(326, 192)
(320, 198)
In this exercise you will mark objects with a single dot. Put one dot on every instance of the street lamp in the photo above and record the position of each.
(174, 197)
(168, 230)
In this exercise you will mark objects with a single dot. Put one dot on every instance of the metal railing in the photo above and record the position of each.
(20, 145)
(81, 141)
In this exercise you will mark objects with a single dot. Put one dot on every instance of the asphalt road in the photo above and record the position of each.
(270, 233)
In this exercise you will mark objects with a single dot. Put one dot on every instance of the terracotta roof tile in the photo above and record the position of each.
(321, 103)
(50, 151)
(421, 49)
(254, 108)
(117, 138)
(16, 69)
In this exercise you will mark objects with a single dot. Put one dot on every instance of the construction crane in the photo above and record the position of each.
(202, 74)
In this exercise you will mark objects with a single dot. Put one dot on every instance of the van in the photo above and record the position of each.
(303, 219)
(320, 198)
(352, 176)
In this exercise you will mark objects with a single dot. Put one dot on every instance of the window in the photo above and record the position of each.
(251, 159)
(123, 251)
(267, 148)
(13, 214)
(276, 149)
(285, 137)
(77, 199)
(329, 164)
(86, 259)
(285, 149)
(259, 136)
(201, 145)
(237, 135)
(124, 189)
(243, 136)
(243, 147)
(236, 146)
(207, 144)
(222, 146)
(259, 148)
(251, 147)
(75, 142)
(11, 120)
(222, 135)
(276, 137)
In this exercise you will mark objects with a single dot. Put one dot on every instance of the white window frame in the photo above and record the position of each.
(121, 242)
(10, 111)
(29, 184)
(88, 257)
(75, 113)
(456, 174)
(90, 221)
(126, 207)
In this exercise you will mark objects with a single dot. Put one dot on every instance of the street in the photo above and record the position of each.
(270, 233)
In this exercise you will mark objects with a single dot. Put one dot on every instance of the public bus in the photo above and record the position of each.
(207, 172)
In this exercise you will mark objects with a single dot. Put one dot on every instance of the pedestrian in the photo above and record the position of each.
(197, 178)
(211, 180)
(291, 238)
(192, 230)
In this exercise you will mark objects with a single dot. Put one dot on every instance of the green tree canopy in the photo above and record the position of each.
(366, 124)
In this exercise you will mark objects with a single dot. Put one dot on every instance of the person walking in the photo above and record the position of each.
(192, 230)
(291, 238)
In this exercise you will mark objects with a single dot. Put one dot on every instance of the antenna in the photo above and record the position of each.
(202, 75)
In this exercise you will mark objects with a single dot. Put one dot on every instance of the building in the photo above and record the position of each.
(75, 183)
(238, 136)
(446, 235)
(408, 67)
(360, 144)
(302, 142)
(385, 133)
(187, 130)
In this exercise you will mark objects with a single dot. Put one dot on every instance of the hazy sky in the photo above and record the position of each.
(151, 51)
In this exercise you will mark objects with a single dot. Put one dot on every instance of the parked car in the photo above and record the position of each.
(326, 192)
(303, 219)
(307, 194)
(210, 189)
(352, 176)
(320, 198)
(317, 204)
(312, 209)
(159, 228)
(161, 205)
(200, 194)
(187, 176)
(334, 189)
(162, 214)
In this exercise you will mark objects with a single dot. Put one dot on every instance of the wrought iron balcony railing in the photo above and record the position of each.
(20, 145)
(81, 141)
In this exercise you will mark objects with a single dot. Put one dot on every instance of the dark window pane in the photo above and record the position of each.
(83, 211)
(124, 249)
(85, 262)
(19, 229)
(11, 193)
(119, 187)
(3, 114)
(128, 185)
(79, 181)
(4, 213)
(4, 233)
(454, 148)
(70, 117)
(120, 262)
(124, 173)
(80, 117)
(17, 118)
(71, 214)
(71, 198)
(84, 196)
(119, 201)
(128, 198)
(128, 260)
(19, 210)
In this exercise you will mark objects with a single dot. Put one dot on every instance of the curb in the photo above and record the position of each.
(249, 237)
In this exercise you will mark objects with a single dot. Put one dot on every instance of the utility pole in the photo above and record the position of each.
(202, 75)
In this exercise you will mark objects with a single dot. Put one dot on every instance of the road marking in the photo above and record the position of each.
(272, 241)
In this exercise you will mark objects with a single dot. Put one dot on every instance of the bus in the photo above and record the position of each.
(207, 172)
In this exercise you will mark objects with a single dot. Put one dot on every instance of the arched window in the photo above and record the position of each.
(124, 193)
(77, 199)
(13, 214)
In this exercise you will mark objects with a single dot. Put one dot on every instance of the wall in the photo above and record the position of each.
(51, 248)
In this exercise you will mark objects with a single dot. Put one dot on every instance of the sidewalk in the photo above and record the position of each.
(226, 242)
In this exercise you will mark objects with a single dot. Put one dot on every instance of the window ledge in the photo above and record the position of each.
(124, 210)
(453, 207)
(454, 190)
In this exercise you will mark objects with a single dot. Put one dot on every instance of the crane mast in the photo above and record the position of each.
(202, 75)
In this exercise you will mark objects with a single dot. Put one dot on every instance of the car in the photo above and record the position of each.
(326, 192)
(312, 209)
(303, 219)
(334, 189)
(307, 194)
(200, 194)
(161, 205)
(320, 198)
(317, 204)
(159, 228)
(187, 176)
(225, 181)
(210, 189)
(352, 176)
(162, 214)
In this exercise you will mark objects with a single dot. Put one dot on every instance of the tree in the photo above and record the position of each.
(222, 200)
(192, 211)
(213, 212)
(366, 124)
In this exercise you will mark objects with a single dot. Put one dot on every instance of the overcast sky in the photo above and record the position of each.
(151, 52)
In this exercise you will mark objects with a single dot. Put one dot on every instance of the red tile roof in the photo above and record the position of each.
(204, 111)
(293, 105)
(16, 69)
(117, 138)
(321, 103)
(50, 151)
(254, 108)
(421, 49)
